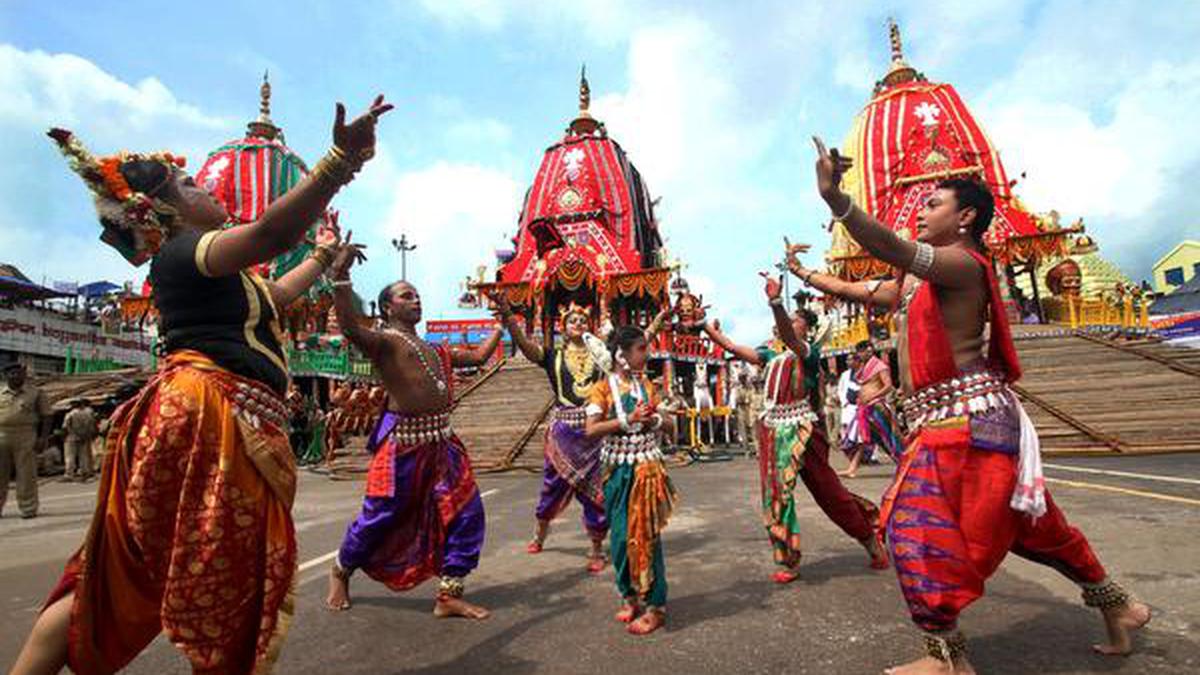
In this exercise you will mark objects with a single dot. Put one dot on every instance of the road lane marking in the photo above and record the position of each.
(1124, 474)
(321, 559)
(1125, 491)
(316, 561)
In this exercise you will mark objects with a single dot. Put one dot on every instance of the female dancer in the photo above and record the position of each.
(192, 533)
(638, 495)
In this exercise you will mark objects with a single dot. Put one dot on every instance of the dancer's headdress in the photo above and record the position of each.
(135, 223)
(565, 312)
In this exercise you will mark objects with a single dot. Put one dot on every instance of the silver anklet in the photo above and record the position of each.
(948, 647)
(451, 587)
(1105, 595)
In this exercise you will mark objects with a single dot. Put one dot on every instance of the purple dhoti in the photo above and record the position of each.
(572, 468)
(422, 515)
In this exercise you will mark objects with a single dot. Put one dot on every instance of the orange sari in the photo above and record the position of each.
(192, 534)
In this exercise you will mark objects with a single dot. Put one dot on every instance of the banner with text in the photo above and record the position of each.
(34, 332)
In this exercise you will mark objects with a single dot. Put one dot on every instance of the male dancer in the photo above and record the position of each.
(968, 489)
(422, 515)
(874, 424)
(791, 444)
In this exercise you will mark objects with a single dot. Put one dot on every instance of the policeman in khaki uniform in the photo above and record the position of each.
(24, 415)
(80, 429)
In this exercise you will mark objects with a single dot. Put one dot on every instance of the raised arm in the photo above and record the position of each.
(741, 352)
(531, 349)
(657, 324)
(286, 220)
(949, 267)
(783, 322)
(479, 355)
(296, 282)
(369, 342)
(883, 293)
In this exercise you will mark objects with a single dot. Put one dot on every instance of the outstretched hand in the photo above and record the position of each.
(831, 166)
(774, 285)
(500, 307)
(346, 256)
(357, 139)
(792, 252)
(329, 233)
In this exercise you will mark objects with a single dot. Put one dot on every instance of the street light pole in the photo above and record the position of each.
(403, 246)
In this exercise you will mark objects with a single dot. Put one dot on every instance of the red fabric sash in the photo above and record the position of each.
(930, 355)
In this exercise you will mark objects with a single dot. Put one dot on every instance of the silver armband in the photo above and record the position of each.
(922, 260)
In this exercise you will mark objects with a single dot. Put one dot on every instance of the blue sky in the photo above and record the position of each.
(714, 101)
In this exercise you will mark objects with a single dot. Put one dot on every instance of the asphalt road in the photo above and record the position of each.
(1142, 515)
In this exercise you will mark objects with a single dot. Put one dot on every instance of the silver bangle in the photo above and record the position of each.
(922, 260)
(849, 208)
(775, 302)
(342, 283)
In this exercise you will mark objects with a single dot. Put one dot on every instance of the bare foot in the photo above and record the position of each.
(451, 607)
(847, 473)
(878, 554)
(627, 613)
(596, 563)
(931, 666)
(1120, 622)
(338, 599)
(649, 622)
(785, 576)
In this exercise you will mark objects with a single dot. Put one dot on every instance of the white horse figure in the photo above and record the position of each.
(702, 396)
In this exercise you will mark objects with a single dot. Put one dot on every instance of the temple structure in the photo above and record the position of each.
(588, 234)
(246, 175)
(910, 135)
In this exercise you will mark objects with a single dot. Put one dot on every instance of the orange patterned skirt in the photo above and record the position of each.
(192, 534)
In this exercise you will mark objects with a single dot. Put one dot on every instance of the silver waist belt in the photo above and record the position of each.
(976, 392)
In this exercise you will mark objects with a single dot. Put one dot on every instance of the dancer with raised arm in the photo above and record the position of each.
(623, 410)
(791, 444)
(969, 487)
(422, 515)
(192, 533)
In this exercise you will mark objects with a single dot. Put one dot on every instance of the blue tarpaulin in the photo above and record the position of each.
(98, 289)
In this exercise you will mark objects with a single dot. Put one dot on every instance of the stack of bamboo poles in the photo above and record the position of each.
(1096, 395)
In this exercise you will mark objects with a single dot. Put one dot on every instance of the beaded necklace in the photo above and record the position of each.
(421, 350)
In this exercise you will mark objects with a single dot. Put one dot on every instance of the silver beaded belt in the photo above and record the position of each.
(255, 404)
(633, 448)
(975, 392)
(787, 414)
(419, 429)
(573, 416)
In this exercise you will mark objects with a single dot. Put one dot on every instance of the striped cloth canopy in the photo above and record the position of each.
(246, 176)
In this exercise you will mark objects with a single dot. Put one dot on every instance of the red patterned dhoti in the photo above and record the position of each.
(949, 525)
(192, 534)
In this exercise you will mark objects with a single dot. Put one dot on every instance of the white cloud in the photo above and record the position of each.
(46, 220)
(686, 127)
(1105, 134)
(456, 214)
